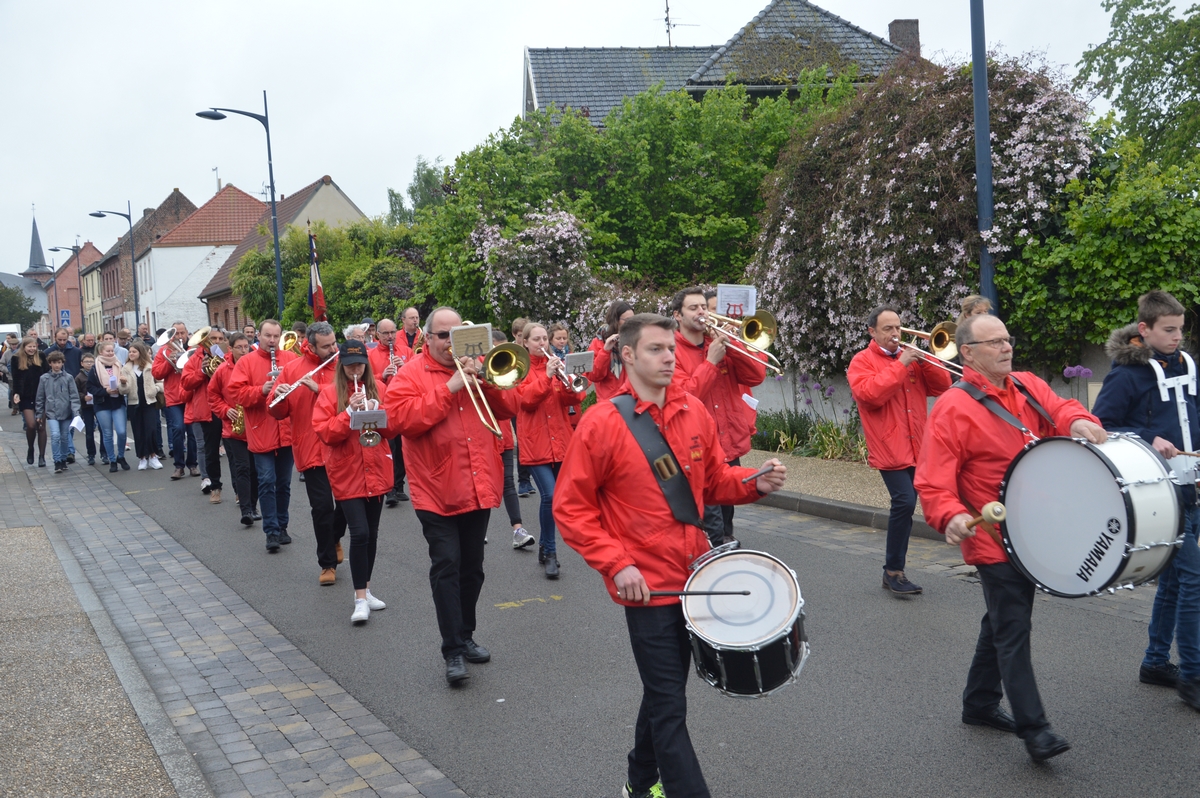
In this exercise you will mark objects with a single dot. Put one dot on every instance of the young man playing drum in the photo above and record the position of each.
(613, 509)
(968, 446)
(1151, 391)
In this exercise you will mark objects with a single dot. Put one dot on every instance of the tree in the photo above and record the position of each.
(17, 308)
(424, 191)
(1149, 66)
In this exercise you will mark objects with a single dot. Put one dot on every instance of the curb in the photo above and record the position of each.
(846, 512)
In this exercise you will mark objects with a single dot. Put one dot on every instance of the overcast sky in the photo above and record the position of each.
(100, 98)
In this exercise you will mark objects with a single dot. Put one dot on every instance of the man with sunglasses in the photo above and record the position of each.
(967, 449)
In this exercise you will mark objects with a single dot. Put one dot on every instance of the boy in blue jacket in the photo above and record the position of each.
(1151, 391)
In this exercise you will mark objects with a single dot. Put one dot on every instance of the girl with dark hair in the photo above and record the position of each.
(606, 369)
(27, 368)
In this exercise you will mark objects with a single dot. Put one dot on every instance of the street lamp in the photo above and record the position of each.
(983, 152)
(215, 114)
(78, 268)
(137, 309)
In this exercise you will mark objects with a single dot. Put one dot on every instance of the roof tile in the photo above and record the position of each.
(227, 218)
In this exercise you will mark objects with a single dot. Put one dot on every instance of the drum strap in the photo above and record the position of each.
(999, 411)
(1183, 385)
(670, 477)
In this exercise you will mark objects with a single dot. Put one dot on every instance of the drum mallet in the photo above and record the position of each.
(767, 469)
(699, 593)
(993, 513)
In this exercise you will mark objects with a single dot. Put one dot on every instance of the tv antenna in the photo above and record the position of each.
(670, 24)
(218, 175)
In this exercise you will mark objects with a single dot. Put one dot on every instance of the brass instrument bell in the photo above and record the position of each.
(290, 342)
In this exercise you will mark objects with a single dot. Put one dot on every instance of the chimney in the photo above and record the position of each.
(147, 211)
(906, 34)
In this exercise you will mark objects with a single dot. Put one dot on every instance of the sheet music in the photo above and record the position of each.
(471, 340)
(580, 362)
(736, 300)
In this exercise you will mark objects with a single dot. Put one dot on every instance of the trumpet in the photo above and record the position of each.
(504, 367)
(368, 437)
(575, 382)
(756, 332)
(942, 348)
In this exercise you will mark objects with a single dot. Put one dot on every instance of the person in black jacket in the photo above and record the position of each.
(1151, 391)
(27, 367)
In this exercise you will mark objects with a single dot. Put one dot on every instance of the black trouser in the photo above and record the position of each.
(662, 747)
(143, 418)
(208, 439)
(900, 520)
(88, 414)
(1002, 653)
(398, 472)
(511, 504)
(362, 516)
(523, 475)
(245, 477)
(328, 517)
(718, 518)
(455, 572)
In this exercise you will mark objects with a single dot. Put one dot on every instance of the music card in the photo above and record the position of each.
(580, 362)
(736, 300)
(471, 340)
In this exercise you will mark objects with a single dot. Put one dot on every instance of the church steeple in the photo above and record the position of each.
(37, 258)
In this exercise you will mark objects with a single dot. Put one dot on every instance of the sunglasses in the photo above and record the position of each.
(441, 336)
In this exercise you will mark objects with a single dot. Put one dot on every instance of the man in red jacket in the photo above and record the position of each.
(252, 386)
(386, 359)
(966, 453)
(707, 369)
(200, 417)
(457, 479)
(309, 453)
(891, 384)
(610, 509)
(241, 465)
(183, 440)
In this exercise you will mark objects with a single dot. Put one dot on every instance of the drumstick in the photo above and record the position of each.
(992, 512)
(1187, 454)
(699, 593)
(767, 469)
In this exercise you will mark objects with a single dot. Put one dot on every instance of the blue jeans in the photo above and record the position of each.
(1176, 613)
(900, 521)
(544, 475)
(60, 433)
(274, 488)
(178, 433)
(111, 421)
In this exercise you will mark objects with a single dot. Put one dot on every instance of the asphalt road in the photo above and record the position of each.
(876, 710)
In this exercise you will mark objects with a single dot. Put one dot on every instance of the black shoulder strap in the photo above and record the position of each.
(671, 480)
(1033, 402)
(998, 410)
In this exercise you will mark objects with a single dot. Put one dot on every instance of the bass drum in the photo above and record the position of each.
(746, 646)
(1085, 517)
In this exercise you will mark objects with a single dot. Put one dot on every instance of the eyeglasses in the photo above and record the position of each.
(441, 336)
(996, 342)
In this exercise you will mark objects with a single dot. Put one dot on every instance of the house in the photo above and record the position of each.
(64, 289)
(766, 56)
(321, 200)
(114, 282)
(176, 267)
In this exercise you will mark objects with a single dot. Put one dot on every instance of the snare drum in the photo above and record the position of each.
(1083, 517)
(746, 646)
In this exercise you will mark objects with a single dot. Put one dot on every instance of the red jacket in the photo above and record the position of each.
(263, 432)
(307, 448)
(195, 387)
(720, 388)
(967, 450)
(355, 471)
(607, 384)
(543, 424)
(218, 384)
(892, 403)
(607, 504)
(380, 357)
(164, 371)
(453, 462)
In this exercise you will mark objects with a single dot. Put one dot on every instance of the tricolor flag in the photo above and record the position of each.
(316, 294)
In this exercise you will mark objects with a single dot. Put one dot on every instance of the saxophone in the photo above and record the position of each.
(239, 421)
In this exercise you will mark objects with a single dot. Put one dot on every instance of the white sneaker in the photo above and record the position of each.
(155, 463)
(522, 538)
(143, 464)
(374, 603)
(362, 611)
(204, 484)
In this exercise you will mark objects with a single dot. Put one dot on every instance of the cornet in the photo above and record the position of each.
(369, 436)
(575, 382)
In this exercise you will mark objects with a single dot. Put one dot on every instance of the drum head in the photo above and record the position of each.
(742, 621)
(1068, 520)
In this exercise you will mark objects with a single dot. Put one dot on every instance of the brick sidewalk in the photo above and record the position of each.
(258, 716)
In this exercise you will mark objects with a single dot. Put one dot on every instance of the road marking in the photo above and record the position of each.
(147, 490)
(508, 605)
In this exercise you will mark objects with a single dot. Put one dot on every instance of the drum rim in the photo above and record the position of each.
(788, 626)
(1130, 515)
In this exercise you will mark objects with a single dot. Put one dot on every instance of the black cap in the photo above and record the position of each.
(367, 320)
(353, 351)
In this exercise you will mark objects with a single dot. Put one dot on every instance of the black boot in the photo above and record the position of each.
(551, 566)
(29, 456)
(541, 555)
(41, 461)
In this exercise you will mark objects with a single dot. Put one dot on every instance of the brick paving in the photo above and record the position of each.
(258, 716)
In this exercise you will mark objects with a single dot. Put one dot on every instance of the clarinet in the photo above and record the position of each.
(274, 369)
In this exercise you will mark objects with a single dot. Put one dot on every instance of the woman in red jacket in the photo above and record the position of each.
(360, 476)
(543, 432)
(606, 369)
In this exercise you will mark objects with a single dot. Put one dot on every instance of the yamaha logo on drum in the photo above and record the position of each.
(1099, 549)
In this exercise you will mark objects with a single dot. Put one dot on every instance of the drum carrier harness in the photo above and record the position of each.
(671, 481)
(1000, 412)
(1183, 466)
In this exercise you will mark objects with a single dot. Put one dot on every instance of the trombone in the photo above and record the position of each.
(942, 348)
(756, 332)
(575, 382)
(504, 367)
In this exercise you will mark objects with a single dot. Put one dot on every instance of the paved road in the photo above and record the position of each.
(876, 710)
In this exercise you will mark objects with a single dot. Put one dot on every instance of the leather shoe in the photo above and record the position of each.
(328, 577)
(341, 555)
(247, 520)
(551, 566)
(1045, 744)
(997, 718)
(475, 652)
(456, 670)
(392, 500)
(1189, 691)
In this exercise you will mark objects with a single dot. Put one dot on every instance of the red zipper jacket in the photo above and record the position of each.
(606, 383)
(720, 388)
(380, 357)
(307, 448)
(892, 403)
(968, 449)
(607, 503)
(164, 371)
(453, 462)
(217, 386)
(195, 387)
(264, 433)
(355, 471)
(543, 424)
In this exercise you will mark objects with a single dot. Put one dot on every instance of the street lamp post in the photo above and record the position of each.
(137, 309)
(983, 151)
(215, 114)
(78, 268)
